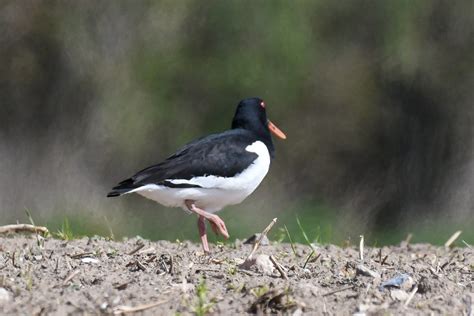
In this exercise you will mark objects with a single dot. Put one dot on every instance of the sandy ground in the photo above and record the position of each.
(95, 275)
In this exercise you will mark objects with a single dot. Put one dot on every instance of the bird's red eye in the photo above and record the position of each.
(262, 104)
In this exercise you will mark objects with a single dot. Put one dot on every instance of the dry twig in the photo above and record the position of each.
(361, 269)
(152, 258)
(140, 246)
(339, 290)
(27, 228)
(122, 286)
(264, 233)
(123, 309)
(137, 264)
(250, 273)
(81, 255)
(279, 267)
(57, 265)
(13, 260)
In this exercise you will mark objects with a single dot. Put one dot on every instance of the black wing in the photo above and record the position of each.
(221, 154)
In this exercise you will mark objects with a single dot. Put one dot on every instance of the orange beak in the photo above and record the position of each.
(275, 130)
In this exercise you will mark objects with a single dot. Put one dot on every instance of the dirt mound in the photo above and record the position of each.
(94, 275)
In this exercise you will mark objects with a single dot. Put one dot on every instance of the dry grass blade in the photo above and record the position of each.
(140, 246)
(339, 290)
(119, 310)
(410, 297)
(384, 259)
(452, 239)
(141, 266)
(122, 286)
(407, 240)
(147, 250)
(259, 240)
(361, 269)
(70, 276)
(138, 265)
(309, 258)
(279, 267)
(19, 228)
(466, 244)
(81, 255)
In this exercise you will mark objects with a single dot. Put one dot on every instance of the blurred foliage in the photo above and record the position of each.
(375, 96)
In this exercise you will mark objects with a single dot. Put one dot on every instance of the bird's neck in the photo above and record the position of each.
(262, 135)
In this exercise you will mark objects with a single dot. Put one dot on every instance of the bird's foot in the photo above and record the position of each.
(218, 226)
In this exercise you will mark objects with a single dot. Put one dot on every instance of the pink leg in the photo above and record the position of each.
(217, 224)
(202, 233)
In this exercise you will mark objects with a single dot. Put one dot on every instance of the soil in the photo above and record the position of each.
(96, 275)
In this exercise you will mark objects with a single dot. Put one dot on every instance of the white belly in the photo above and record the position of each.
(214, 192)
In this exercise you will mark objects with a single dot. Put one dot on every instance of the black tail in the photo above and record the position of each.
(123, 187)
(114, 193)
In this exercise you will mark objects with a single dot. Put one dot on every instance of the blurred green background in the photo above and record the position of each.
(376, 98)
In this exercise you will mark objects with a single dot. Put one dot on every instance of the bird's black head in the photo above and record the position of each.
(251, 115)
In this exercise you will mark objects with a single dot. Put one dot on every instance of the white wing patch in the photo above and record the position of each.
(215, 192)
(249, 178)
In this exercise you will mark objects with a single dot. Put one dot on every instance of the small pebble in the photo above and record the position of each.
(403, 281)
(261, 262)
(89, 260)
(366, 271)
(264, 264)
(4, 295)
(399, 295)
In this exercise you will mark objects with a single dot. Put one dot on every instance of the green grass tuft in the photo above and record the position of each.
(203, 306)
(291, 241)
(65, 232)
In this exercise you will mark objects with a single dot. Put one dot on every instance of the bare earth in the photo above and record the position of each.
(95, 275)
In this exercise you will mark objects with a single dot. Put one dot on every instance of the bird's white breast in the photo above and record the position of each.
(215, 192)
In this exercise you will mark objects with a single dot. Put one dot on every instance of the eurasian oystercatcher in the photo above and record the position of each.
(212, 172)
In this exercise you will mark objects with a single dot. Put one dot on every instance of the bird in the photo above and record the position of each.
(212, 172)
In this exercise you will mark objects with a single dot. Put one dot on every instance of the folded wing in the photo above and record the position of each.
(221, 155)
